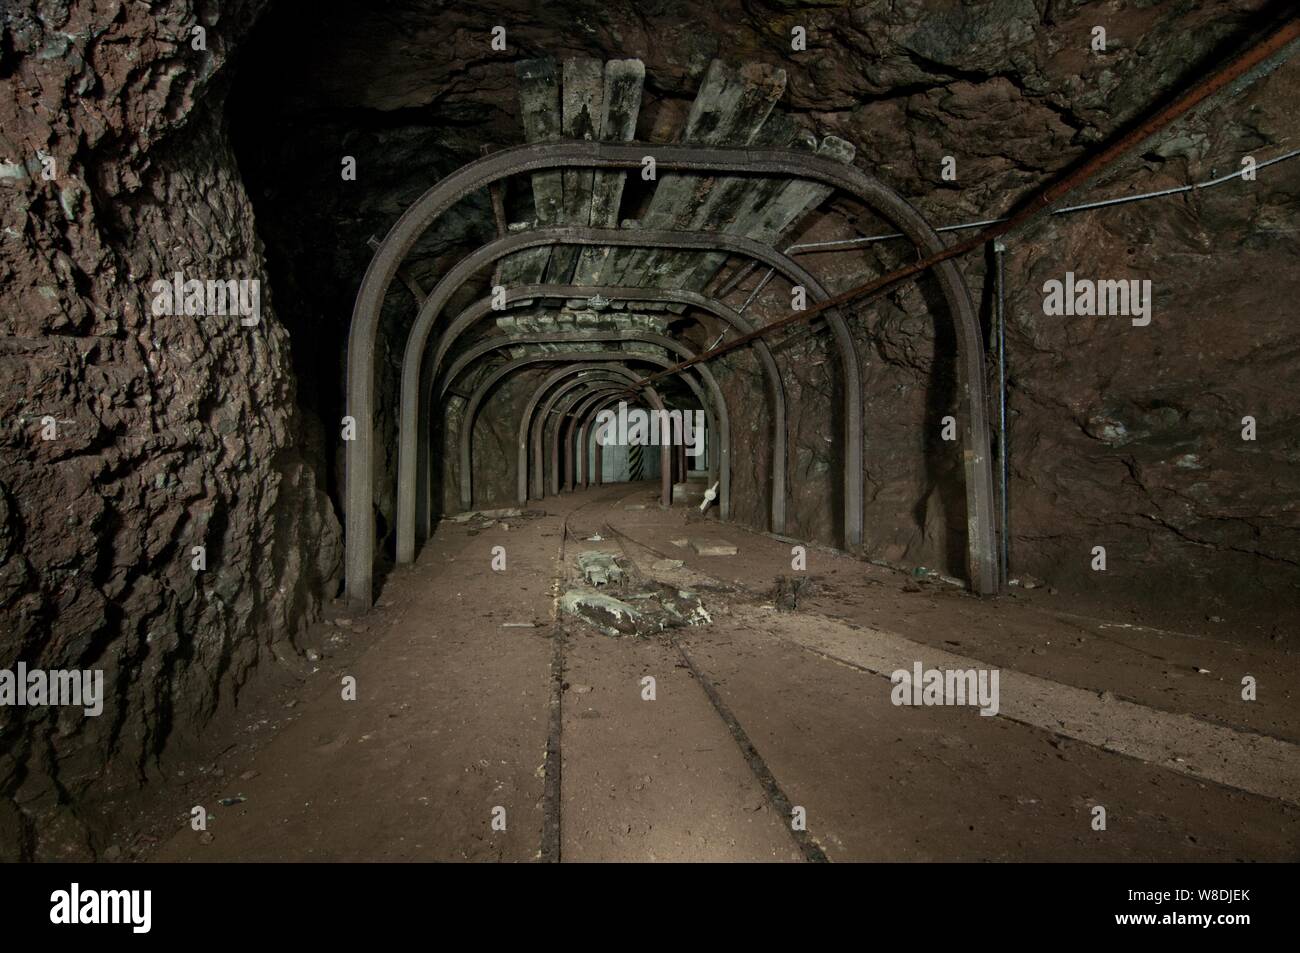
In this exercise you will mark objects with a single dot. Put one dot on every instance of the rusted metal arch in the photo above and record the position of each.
(570, 418)
(529, 438)
(718, 422)
(529, 434)
(502, 247)
(574, 359)
(534, 428)
(359, 519)
(483, 307)
(410, 429)
(581, 417)
(722, 417)
(577, 411)
(565, 422)
(718, 419)
(599, 402)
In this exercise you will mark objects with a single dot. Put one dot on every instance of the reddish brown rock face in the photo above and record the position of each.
(177, 431)
(170, 431)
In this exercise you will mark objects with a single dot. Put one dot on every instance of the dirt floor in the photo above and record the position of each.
(489, 724)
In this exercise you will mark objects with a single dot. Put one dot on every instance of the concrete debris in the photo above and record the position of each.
(680, 543)
(666, 565)
(642, 613)
(611, 616)
(720, 547)
(600, 569)
(485, 515)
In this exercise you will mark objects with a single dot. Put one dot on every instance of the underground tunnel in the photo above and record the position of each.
(855, 430)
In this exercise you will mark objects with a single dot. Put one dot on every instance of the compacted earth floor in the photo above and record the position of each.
(469, 716)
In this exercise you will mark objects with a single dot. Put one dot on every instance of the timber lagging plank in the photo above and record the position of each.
(624, 80)
(582, 97)
(539, 107)
(769, 214)
(728, 201)
(729, 109)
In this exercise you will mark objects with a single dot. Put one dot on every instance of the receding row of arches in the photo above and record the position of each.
(588, 379)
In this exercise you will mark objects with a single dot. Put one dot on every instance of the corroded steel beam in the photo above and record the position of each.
(738, 322)
(722, 421)
(531, 482)
(577, 412)
(566, 424)
(500, 373)
(529, 158)
(576, 358)
(412, 363)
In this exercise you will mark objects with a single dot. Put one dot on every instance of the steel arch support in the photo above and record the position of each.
(576, 415)
(566, 430)
(718, 420)
(722, 417)
(482, 308)
(524, 475)
(413, 358)
(546, 417)
(574, 357)
(379, 275)
(590, 410)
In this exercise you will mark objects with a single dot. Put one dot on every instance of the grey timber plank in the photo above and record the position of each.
(624, 81)
(731, 196)
(769, 212)
(539, 109)
(582, 96)
(730, 108)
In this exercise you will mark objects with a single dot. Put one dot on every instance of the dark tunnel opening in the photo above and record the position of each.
(1081, 477)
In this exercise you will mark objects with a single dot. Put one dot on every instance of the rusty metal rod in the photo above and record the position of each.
(1286, 34)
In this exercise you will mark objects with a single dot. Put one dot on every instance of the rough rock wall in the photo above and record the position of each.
(169, 431)
(1132, 436)
(1121, 436)
(1013, 91)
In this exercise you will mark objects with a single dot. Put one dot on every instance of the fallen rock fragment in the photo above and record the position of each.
(644, 612)
(600, 568)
